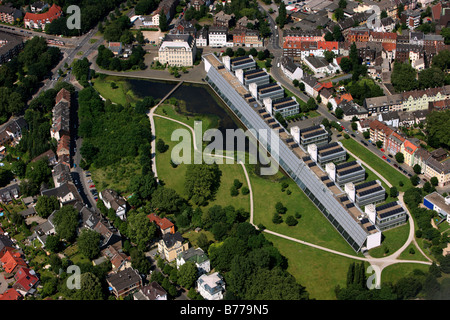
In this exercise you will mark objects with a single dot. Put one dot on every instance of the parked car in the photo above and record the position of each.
(395, 165)
(353, 135)
(92, 186)
(390, 155)
(388, 160)
(382, 150)
(384, 157)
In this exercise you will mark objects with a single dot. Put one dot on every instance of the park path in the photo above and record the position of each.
(378, 264)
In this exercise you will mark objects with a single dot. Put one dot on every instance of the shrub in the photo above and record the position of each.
(245, 191)
(291, 221)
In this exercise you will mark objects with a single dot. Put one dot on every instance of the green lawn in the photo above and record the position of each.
(318, 271)
(407, 255)
(392, 240)
(192, 236)
(378, 164)
(397, 271)
(120, 95)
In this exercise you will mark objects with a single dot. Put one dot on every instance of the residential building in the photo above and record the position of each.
(50, 155)
(39, 20)
(223, 20)
(390, 118)
(6, 244)
(38, 6)
(435, 201)
(116, 47)
(351, 109)
(171, 245)
(303, 35)
(217, 36)
(408, 149)
(379, 131)
(201, 38)
(124, 282)
(290, 69)
(152, 291)
(9, 14)
(440, 170)
(211, 287)
(63, 147)
(66, 193)
(26, 281)
(10, 295)
(12, 261)
(164, 225)
(393, 143)
(196, 256)
(252, 39)
(119, 260)
(9, 193)
(411, 18)
(113, 200)
(11, 131)
(178, 50)
(320, 65)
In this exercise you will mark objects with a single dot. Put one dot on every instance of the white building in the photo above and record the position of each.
(111, 199)
(178, 50)
(211, 287)
(320, 65)
(217, 36)
(290, 69)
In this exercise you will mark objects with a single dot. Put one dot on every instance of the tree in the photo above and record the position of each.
(46, 205)
(339, 113)
(52, 243)
(393, 192)
(291, 221)
(89, 243)
(91, 288)
(139, 261)
(161, 147)
(399, 157)
(277, 219)
(282, 15)
(414, 180)
(437, 128)
(280, 208)
(187, 275)
(403, 77)
(163, 25)
(201, 182)
(417, 169)
(66, 223)
(434, 181)
(431, 78)
(140, 230)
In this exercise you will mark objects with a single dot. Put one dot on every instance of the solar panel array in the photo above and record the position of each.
(350, 205)
(324, 178)
(307, 158)
(311, 164)
(312, 134)
(390, 213)
(346, 164)
(370, 228)
(364, 221)
(386, 205)
(366, 192)
(366, 184)
(330, 145)
(309, 129)
(343, 199)
(289, 140)
(352, 170)
(330, 184)
(327, 153)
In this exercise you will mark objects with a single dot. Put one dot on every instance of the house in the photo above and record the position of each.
(39, 20)
(223, 20)
(351, 109)
(26, 281)
(152, 292)
(12, 261)
(9, 14)
(5, 245)
(171, 245)
(10, 295)
(61, 174)
(379, 131)
(119, 260)
(27, 213)
(60, 119)
(164, 225)
(197, 256)
(201, 38)
(390, 118)
(50, 155)
(291, 70)
(66, 193)
(124, 282)
(38, 6)
(217, 36)
(11, 131)
(393, 143)
(116, 48)
(211, 287)
(113, 200)
(63, 147)
(9, 193)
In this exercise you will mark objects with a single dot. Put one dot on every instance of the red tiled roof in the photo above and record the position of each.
(328, 45)
(410, 147)
(11, 260)
(388, 46)
(162, 223)
(53, 13)
(25, 279)
(10, 294)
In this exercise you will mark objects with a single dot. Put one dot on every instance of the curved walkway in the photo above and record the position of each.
(378, 263)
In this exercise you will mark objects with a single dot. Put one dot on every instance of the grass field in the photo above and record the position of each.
(392, 240)
(319, 271)
(397, 271)
(378, 164)
(120, 95)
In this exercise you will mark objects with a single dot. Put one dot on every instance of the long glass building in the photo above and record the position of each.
(327, 197)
